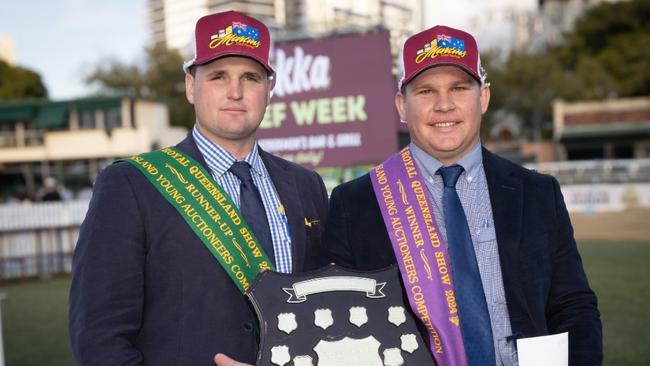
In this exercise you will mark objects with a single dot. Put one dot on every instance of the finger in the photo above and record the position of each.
(222, 360)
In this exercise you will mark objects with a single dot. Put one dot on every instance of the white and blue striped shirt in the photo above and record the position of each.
(219, 161)
(474, 195)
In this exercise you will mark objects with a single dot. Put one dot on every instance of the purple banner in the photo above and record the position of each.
(333, 102)
(421, 254)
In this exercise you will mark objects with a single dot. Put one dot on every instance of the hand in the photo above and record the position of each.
(222, 360)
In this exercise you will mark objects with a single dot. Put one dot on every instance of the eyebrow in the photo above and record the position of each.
(461, 81)
(255, 74)
(219, 72)
(215, 73)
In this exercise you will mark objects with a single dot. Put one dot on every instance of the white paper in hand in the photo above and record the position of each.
(544, 351)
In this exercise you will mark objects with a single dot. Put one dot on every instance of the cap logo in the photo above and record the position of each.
(442, 45)
(237, 33)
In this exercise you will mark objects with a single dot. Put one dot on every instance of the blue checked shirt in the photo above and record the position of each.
(474, 196)
(219, 161)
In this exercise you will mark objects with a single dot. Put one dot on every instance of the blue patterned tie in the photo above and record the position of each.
(472, 307)
(252, 207)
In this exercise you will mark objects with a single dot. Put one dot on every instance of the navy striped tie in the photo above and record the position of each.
(472, 307)
(252, 208)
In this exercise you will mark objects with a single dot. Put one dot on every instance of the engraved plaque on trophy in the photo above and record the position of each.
(336, 317)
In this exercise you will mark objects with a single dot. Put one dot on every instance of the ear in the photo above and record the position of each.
(485, 97)
(400, 104)
(189, 88)
(271, 86)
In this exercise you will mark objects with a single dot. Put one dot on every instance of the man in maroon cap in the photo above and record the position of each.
(173, 238)
(485, 247)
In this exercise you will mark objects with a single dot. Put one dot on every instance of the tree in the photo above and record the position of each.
(526, 85)
(606, 55)
(20, 83)
(613, 38)
(160, 77)
(116, 77)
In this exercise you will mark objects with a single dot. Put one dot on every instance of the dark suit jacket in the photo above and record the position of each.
(145, 290)
(546, 287)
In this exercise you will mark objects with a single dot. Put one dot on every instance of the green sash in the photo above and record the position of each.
(208, 210)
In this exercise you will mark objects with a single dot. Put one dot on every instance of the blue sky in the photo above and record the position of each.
(63, 40)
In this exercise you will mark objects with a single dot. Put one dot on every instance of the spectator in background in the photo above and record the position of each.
(20, 197)
(50, 190)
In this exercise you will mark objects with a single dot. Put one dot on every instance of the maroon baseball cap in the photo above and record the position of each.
(230, 33)
(440, 45)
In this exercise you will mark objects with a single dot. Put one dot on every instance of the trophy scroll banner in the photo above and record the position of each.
(336, 317)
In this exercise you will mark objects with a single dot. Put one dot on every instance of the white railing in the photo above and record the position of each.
(596, 171)
(38, 239)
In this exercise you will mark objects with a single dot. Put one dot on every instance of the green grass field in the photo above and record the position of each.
(35, 322)
(619, 273)
(35, 314)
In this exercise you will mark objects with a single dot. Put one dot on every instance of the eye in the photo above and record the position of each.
(424, 91)
(252, 78)
(459, 88)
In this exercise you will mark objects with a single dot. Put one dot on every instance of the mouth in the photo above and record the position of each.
(445, 124)
(234, 109)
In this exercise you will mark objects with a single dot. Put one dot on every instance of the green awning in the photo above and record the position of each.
(93, 104)
(15, 113)
(51, 116)
(605, 130)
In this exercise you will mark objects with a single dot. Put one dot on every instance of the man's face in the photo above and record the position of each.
(443, 107)
(230, 96)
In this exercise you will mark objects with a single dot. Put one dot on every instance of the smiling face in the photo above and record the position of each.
(442, 107)
(230, 96)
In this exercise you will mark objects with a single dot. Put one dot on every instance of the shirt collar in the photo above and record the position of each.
(471, 162)
(219, 160)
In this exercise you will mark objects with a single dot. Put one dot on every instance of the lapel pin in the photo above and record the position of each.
(309, 223)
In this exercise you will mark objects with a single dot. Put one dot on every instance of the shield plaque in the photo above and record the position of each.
(336, 317)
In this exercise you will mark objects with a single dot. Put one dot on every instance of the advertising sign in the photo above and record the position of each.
(592, 198)
(333, 102)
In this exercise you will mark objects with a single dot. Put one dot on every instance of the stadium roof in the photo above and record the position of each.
(616, 129)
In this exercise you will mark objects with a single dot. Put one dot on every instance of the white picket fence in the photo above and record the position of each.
(38, 239)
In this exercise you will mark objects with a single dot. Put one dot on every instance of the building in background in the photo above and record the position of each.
(314, 19)
(526, 30)
(72, 140)
(552, 20)
(172, 21)
(556, 17)
(529, 30)
(7, 50)
(602, 129)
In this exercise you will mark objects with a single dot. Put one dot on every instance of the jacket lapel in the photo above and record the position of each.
(288, 190)
(506, 196)
(189, 147)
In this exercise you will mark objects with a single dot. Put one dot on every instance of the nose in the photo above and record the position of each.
(234, 90)
(443, 102)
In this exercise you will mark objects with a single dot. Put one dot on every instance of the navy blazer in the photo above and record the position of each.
(546, 287)
(145, 290)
